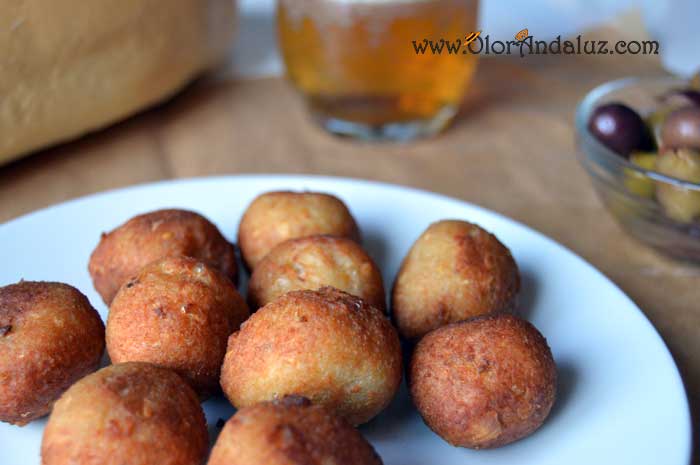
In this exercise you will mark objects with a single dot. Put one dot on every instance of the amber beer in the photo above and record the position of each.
(355, 62)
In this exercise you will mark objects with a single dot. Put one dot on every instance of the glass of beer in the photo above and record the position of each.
(358, 63)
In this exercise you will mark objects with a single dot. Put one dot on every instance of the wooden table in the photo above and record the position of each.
(512, 150)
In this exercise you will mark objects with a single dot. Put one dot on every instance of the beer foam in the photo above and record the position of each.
(378, 2)
(376, 15)
(343, 11)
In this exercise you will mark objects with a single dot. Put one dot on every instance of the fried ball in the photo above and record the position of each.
(274, 217)
(484, 382)
(50, 337)
(314, 262)
(454, 271)
(178, 313)
(151, 236)
(290, 432)
(326, 345)
(131, 413)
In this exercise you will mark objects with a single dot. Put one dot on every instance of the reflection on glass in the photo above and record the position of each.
(356, 64)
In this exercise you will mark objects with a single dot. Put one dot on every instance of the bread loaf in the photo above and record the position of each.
(68, 67)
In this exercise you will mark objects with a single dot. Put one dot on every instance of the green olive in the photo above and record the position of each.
(679, 203)
(655, 121)
(636, 182)
(695, 81)
(625, 210)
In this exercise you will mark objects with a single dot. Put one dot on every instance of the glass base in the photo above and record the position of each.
(395, 131)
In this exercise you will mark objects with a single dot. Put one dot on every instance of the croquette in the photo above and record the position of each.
(314, 262)
(326, 345)
(484, 382)
(178, 313)
(454, 271)
(291, 431)
(151, 236)
(50, 337)
(130, 413)
(275, 217)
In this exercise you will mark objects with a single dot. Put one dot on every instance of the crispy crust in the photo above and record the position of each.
(454, 271)
(485, 382)
(275, 217)
(326, 345)
(314, 262)
(178, 313)
(130, 413)
(50, 336)
(151, 236)
(290, 432)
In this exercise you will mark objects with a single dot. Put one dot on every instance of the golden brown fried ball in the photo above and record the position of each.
(484, 382)
(151, 236)
(131, 413)
(50, 337)
(454, 271)
(178, 313)
(274, 217)
(326, 345)
(290, 432)
(314, 262)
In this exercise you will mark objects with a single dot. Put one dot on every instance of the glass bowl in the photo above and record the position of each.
(627, 190)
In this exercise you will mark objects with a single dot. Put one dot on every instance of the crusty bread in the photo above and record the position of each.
(72, 66)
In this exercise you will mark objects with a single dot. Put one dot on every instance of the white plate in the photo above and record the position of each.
(621, 399)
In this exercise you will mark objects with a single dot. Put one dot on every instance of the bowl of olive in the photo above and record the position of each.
(639, 139)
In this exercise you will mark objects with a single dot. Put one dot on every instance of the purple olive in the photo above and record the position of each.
(681, 129)
(620, 128)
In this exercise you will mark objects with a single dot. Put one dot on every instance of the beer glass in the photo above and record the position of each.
(356, 64)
